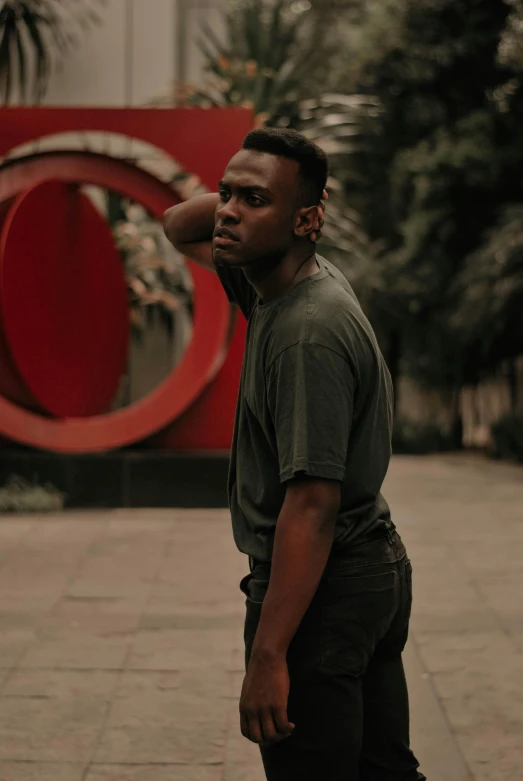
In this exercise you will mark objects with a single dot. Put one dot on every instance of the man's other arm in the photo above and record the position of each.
(190, 226)
(303, 541)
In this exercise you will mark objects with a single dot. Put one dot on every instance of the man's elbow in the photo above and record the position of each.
(169, 225)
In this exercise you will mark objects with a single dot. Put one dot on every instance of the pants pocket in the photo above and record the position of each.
(407, 610)
(355, 614)
(408, 576)
(254, 591)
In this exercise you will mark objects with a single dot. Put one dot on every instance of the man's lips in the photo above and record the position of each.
(225, 237)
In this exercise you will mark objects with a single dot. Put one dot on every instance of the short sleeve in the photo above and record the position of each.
(238, 290)
(310, 394)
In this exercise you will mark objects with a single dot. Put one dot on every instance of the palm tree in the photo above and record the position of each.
(30, 33)
(260, 63)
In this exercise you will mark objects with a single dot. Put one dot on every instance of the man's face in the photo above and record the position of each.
(258, 209)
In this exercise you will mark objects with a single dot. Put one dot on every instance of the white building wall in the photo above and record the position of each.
(137, 51)
(199, 12)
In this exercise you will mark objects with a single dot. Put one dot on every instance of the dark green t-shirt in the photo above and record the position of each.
(315, 398)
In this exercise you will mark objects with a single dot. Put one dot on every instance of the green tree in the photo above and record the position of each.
(446, 159)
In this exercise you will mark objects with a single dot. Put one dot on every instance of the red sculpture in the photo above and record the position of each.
(63, 310)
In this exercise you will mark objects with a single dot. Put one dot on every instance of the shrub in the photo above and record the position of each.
(20, 496)
(507, 437)
(415, 438)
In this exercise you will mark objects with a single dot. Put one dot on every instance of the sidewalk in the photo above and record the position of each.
(121, 636)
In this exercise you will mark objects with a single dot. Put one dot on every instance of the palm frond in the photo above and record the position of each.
(22, 70)
(42, 56)
(5, 57)
(32, 34)
(267, 47)
(252, 28)
(221, 47)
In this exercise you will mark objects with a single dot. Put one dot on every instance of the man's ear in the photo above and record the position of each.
(306, 220)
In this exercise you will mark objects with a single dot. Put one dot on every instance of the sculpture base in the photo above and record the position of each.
(125, 478)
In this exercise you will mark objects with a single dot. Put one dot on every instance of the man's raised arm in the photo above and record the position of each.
(190, 226)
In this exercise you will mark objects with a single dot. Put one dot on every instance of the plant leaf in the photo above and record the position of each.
(42, 64)
(9, 28)
(222, 50)
(22, 69)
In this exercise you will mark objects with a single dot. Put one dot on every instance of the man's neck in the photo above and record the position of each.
(281, 278)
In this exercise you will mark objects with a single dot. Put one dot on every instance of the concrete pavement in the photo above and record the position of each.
(121, 635)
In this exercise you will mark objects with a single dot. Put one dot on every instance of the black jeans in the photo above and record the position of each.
(348, 695)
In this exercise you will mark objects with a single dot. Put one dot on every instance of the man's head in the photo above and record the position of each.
(269, 198)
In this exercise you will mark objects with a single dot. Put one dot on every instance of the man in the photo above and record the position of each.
(329, 593)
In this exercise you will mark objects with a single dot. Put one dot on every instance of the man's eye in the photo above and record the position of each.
(255, 200)
(224, 195)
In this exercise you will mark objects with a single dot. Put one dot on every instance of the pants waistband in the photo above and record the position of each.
(391, 536)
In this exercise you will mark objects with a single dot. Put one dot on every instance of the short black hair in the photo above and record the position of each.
(314, 167)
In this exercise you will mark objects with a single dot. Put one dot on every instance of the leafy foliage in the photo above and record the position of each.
(507, 436)
(259, 63)
(445, 163)
(158, 282)
(414, 438)
(30, 33)
(268, 47)
(489, 292)
(19, 495)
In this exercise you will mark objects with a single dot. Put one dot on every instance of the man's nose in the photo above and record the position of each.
(228, 212)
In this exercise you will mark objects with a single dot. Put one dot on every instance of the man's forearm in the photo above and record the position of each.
(191, 222)
(302, 545)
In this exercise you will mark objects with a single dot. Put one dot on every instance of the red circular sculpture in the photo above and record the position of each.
(202, 359)
(63, 299)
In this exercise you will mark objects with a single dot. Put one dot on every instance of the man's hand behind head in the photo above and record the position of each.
(317, 232)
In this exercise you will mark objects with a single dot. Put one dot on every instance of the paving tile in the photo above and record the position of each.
(52, 568)
(492, 755)
(4, 676)
(61, 684)
(456, 619)
(78, 591)
(141, 694)
(196, 743)
(18, 621)
(32, 603)
(516, 637)
(187, 619)
(13, 644)
(160, 717)
(251, 771)
(73, 648)
(478, 679)
(489, 652)
(504, 596)
(77, 606)
(155, 773)
(13, 530)
(222, 600)
(53, 715)
(93, 622)
(30, 729)
(41, 771)
(495, 556)
(436, 748)
(107, 588)
(176, 649)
